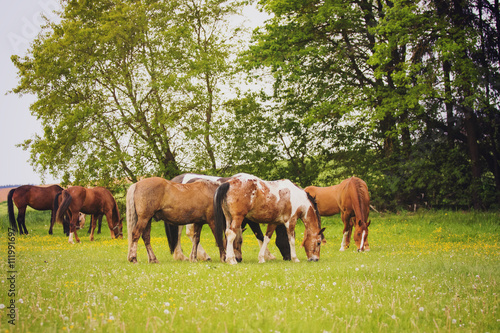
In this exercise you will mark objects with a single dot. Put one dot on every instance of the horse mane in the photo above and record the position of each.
(361, 192)
(315, 206)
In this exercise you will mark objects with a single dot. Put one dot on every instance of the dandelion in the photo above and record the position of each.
(111, 318)
(2, 306)
(453, 321)
(115, 298)
(421, 309)
(393, 317)
(166, 304)
(166, 311)
(335, 283)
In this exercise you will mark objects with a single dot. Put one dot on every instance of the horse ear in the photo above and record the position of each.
(368, 224)
(321, 231)
(243, 230)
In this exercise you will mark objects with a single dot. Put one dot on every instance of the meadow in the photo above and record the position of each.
(429, 271)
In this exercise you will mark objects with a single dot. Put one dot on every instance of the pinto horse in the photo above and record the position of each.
(37, 197)
(96, 201)
(350, 198)
(175, 203)
(273, 203)
(281, 239)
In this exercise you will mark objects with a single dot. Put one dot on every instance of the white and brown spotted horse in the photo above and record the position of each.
(273, 203)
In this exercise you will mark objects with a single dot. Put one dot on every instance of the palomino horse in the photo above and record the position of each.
(351, 199)
(37, 197)
(95, 201)
(273, 203)
(281, 239)
(175, 203)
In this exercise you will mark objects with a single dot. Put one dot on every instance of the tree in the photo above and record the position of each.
(403, 74)
(117, 84)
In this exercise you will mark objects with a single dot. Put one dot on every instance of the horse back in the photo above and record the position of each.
(327, 199)
(37, 197)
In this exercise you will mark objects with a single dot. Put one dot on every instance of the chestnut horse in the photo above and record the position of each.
(81, 217)
(350, 198)
(96, 201)
(37, 197)
(175, 203)
(273, 203)
(281, 236)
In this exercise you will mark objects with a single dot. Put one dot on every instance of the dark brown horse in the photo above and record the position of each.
(177, 204)
(350, 198)
(37, 197)
(95, 201)
(281, 236)
(273, 203)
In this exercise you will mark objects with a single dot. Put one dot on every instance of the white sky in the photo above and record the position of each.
(20, 23)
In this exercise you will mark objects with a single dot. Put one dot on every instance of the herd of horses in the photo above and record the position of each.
(228, 205)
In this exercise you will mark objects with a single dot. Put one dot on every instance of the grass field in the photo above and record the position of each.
(427, 272)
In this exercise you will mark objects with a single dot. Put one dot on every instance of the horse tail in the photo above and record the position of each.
(220, 218)
(55, 205)
(10, 204)
(172, 232)
(63, 207)
(131, 214)
(356, 192)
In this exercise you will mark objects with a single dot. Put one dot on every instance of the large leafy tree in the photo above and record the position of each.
(406, 82)
(121, 85)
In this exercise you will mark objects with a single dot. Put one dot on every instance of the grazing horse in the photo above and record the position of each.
(281, 239)
(351, 199)
(37, 197)
(96, 201)
(273, 203)
(175, 203)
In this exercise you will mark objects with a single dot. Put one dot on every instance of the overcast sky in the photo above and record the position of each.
(20, 23)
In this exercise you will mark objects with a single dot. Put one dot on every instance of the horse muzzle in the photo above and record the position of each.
(313, 258)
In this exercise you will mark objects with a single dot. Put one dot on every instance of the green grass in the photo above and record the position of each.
(427, 272)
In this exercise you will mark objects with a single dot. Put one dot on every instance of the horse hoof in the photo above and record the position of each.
(231, 261)
(155, 261)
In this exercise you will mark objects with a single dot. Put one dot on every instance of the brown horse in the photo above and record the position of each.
(96, 201)
(273, 203)
(37, 197)
(351, 199)
(281, 239)
(81, 217)
(175, 203)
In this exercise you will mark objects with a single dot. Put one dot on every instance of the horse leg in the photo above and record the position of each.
(21, 220)
(178, 254)
(260, 238)
(231, 233)
(195, 238)
(109, 215)
(93, 222)
(291, 239)
(190, 232)
(345, 233)
(99, 224)
(349, 231)
(136, 233)
(267, 239)
(146, 237)
(72, 229)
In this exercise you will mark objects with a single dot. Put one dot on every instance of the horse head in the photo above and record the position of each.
(312, 244)
(361, 234)
(313, 235)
